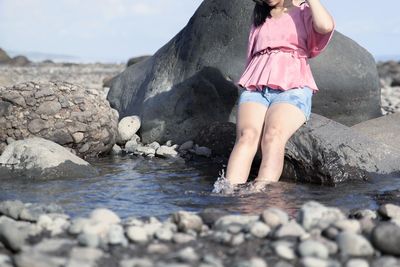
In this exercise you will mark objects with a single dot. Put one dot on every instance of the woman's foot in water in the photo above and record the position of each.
(259, 185)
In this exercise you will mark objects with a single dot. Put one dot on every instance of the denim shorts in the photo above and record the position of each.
(300, 97)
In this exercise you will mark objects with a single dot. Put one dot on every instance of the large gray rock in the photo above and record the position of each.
(385, 129)
(189, 82)
(67, 114)
(327, 152)
(40, 158)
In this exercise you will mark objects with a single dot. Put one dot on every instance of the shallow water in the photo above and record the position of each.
(141, 187)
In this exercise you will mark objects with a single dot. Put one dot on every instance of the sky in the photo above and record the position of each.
(116, 30)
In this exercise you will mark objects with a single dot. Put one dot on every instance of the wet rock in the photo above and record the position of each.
(390, 211)
(211, 215)
(202, 151)
(167, 152)
(186, 146)
(274, 217)
(364, 213)
(354, 245)
(127, 128)
(116, 150)
(386, 238)
(54, 223)
(40, 158)
(315, 215)
(187, 221)
(357, 263)
(311, 248)
(137, 234)
(68, 114)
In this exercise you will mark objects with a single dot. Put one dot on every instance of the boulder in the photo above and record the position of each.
(40, 158)
(385, 129)
(135, 60)
(327, 152)
(20, 61)
(190, 82)
(67, 114)
(4, 57)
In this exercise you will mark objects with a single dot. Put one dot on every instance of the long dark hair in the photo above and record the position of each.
(261, 11)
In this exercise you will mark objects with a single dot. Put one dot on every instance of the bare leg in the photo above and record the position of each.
(249, 125)
(281, 122)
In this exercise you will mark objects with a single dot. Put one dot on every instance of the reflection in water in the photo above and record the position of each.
(157, 187)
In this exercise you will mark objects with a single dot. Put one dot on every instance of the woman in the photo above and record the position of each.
(278, 84)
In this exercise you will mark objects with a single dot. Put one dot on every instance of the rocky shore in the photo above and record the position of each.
(33, 235)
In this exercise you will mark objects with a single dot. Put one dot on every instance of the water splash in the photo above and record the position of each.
(222, 185)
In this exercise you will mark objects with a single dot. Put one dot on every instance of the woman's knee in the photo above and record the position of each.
(273, 135)
(248, 136)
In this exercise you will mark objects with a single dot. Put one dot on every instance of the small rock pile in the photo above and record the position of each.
(37, 235)
(389, 73)
(128, 142)
(67, 114)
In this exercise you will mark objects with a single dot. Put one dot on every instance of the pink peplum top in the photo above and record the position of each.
(278, 51)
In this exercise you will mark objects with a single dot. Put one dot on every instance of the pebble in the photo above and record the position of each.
(253, 262)
(348, 225)
(386, 261)
(164, 234)
(188, 254)
(386, 238)
(187, 221)
(237, 239)
(259, 229)
(357, 263)
(104, 216)
(311, 248)
(136, 262)
(181, 238)
(12, 237)
(274, 217)
(313, 214)
(137, 234)
(116, 235)
(158, 249)
(292, 228)
(316, 262)
(390, 211)
(284, 250)
(354, 245)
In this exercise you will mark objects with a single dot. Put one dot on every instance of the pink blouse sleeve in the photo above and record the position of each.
(316, 42)
(250, 44)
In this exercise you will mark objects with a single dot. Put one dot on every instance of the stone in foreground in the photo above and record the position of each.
(41, 158)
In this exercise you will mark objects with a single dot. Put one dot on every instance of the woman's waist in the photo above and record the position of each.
(298, 53)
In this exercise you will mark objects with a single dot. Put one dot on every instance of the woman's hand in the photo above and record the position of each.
(322, 20)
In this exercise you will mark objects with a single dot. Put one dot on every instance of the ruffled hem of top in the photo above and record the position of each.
(279, 70)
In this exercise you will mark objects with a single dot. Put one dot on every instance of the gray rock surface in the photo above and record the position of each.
(40, 158)
(385, 129)
(386, 237)
(67, 114)
(189, 84)
(327, 152)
